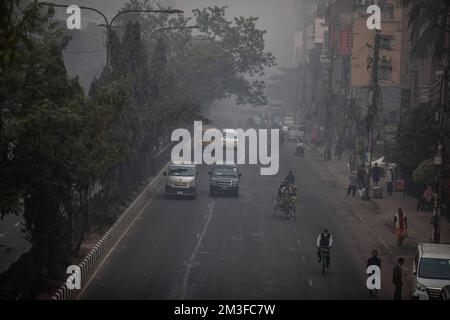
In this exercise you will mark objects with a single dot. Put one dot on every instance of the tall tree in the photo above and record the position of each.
(429, 27)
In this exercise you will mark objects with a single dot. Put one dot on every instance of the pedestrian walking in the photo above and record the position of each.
(338, 151)
(352, 162)
(351, 189)
(390, 182)
(427, 196)
(397, 279)
(400, 226)
(376, 173)
(361, 174)
(327, 154)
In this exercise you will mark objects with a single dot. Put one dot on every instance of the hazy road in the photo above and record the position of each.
(235, 248)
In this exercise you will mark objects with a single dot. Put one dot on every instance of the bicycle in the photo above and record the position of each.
(324, 257)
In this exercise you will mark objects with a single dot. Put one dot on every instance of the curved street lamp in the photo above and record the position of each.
(172, 28)
(109, 23)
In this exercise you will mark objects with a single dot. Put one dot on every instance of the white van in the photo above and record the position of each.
(181, 180)
(431, 271)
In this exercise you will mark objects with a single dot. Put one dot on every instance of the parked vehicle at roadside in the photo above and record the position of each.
(181, 180)
(431, 271)
(445, 293)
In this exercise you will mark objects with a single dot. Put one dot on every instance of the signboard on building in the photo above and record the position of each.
(319, 29)
(344, 42)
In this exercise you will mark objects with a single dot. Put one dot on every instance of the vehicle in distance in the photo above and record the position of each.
(230, 139)
(431, 271)
(206, 141)
(288, 120)
(225, 178)
(295, 132)
(181, 180)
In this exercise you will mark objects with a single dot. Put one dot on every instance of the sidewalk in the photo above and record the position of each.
(377, 215)
(419, 223)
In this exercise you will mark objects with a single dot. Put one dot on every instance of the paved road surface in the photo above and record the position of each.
(235, 248)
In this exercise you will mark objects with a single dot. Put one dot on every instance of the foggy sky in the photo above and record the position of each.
(279, 17)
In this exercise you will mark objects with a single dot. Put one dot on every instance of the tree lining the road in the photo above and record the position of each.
(51, 139)
(229, 58)
(57, 144)
(418, 134)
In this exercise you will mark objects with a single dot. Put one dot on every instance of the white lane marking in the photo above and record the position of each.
(371, 230)
(303, 259)
(16, 224)
(2, 235)
(298, 244)
(197, 235)
(194, 253)
(205, 216)
(310, 282)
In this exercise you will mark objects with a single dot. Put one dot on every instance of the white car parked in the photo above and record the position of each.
(431, 271)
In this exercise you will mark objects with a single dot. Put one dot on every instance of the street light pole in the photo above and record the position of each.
(110, 23)
(172, 28)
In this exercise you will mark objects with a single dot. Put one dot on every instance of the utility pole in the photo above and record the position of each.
(440, 150)
(373, 109)
(439, 159)
(330, 102)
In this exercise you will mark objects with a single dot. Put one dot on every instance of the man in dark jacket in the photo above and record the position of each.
(376, 174)
(397, 279)
(373, 261)
(361, 173)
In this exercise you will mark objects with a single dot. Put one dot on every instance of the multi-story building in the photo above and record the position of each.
(339, 18)
(392, 58)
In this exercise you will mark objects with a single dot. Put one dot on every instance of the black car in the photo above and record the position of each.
(225, 178)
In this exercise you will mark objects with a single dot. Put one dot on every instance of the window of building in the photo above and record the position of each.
(385, 70)
(387, 10)
(386, 42)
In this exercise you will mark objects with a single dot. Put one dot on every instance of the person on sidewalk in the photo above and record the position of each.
(376, 174)
(361, 174)
(400, 226)
(390, 182)
(397, 279)
(421, 200)
(352, 185)
(427, 197)
(352, 161)
(338, 151)
(327, 154)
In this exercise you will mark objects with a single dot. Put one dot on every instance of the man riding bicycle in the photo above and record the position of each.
(324, 240)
